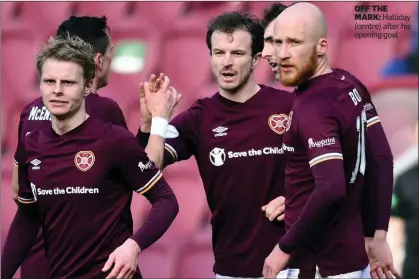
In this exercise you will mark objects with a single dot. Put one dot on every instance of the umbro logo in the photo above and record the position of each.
(35, 164)
(220, 131)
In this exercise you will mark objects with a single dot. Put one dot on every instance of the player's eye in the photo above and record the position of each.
(49, 81)
(67, 82)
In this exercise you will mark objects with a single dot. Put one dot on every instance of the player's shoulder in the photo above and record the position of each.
(275, 91)
(276, 95)
(102, 101)
(38, 102)
(117, 134)
(332, 88)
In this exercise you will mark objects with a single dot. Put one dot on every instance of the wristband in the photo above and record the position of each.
(159, 126)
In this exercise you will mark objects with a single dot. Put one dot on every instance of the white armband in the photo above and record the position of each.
(159, 126)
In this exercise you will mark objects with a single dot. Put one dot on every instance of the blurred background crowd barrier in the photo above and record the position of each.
(169, 37)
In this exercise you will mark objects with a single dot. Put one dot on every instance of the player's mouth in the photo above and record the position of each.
(58, 103)
(286, 67)
(228, 76)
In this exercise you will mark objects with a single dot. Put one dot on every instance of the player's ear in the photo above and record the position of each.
(98, 60)
(256, 60)
(88, 87)
(322, 46)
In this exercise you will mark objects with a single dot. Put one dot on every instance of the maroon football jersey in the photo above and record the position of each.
(379, 175)
(32, 117)
(36, 114)
(326, 163)
(82, 190)
(238, 149)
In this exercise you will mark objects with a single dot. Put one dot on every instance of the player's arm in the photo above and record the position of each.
(24, 228)
(179, 142)
(376, 202)
(18, 153)
(326, 163)
(142, 176)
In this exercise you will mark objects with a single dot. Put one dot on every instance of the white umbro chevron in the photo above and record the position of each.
(35, 163)
(220, 131)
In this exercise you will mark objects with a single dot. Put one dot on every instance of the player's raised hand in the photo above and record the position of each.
(275, 262)
(145, 113)
(162, 102)
(156, 84)
(275, 209)
(123, 260)
(381, 260)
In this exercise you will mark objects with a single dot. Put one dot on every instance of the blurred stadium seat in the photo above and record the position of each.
(205, 11)
(190, 194)
(185, 57)
(196, 258)
(115, 12)
(363, 58)
(258, 7)
(160, 14)
(8, 14)
(44, 17)
(18, 52)
(396, 100)
(158, 260)
(137, 49)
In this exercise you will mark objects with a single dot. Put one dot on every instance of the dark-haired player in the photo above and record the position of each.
(76, 187)
(236, 138)
(328, 147)
(270, 14)
(95, 31)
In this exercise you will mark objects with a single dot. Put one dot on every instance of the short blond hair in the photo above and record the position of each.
(69, 48)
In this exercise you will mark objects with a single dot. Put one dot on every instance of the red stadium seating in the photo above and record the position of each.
(364, 58)
(18, 51)
(8, 14)
(196, 258)
(190, 194)
(258, 7)
(205, 11)
(158, 261)
(7, 165)
(185, 57)
(161, 14)
(115, 12)
(146, 34)
(396, 100)
(45, 17)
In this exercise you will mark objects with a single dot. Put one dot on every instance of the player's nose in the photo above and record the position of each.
(58, 89)
(227, 61)
(267, 52)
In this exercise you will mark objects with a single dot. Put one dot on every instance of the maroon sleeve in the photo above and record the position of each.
(18, 152)
(379, 177)
(142, 176)
(24, 228)
(181, 137)
(320, 136)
